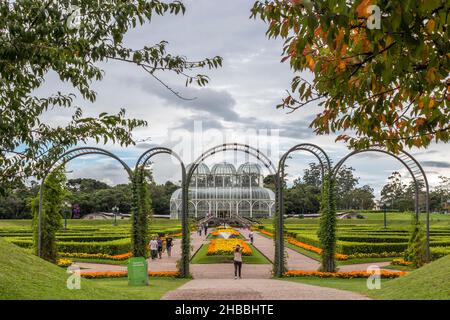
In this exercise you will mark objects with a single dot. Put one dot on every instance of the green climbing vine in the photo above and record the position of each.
(141, 214)
(327, 229)
(416, 252)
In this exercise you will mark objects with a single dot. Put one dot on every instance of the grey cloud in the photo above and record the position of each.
(145, 145)
(207, 123)
(436, 164)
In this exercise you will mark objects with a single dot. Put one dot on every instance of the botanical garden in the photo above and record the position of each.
(91, 208)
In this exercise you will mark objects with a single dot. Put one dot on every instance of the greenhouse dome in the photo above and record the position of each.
(225, 192)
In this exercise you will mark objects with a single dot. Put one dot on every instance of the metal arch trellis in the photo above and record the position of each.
(63, 159)
(140, 165)
(231, 147)
(417, 173)
(325, 165)
(245, 149)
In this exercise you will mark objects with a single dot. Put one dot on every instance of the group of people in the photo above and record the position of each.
(202, 228)
(158, 246)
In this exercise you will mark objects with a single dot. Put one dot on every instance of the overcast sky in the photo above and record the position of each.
(237, 106)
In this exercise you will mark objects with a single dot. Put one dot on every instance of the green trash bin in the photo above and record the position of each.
(137, 271)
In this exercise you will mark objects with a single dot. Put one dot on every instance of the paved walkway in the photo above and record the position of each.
(295, 261)
(215, 281)
(263, 289)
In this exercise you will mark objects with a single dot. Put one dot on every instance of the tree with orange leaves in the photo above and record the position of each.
(388, 85)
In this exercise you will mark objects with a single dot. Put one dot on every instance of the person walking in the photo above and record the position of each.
(205, 228)
(160, 247)
(153, 248)
(250, 235)
(237, 260)
(200, 229)
(169, 244)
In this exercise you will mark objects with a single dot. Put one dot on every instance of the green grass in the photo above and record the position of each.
(362, 260)
(356, 285)
(305, 252)
(317, 257)
(201, 258)
(24, 276)
(431, 282)
(104, 224)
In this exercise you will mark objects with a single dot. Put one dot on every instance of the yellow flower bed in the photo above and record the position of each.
(401, 262)
(226, 247)
(229, 231)
(63, 262)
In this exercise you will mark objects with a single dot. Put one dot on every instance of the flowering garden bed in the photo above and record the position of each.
(344, 275)
(226, 247)
(120, 274)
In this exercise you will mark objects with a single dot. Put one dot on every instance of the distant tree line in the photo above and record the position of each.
(303, 196)
(89, 195)
(398, 195)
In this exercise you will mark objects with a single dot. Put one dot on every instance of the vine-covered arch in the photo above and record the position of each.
(62, 160)
(139, 178)
(325, 165)
(417, 173)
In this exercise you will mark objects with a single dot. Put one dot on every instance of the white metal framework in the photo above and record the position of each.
(224, 192)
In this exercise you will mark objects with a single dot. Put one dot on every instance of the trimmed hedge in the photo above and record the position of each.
(108, 247)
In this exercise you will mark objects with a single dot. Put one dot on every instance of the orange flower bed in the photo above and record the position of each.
(344, 275)
(267, 233)
(314, 249)
(120, 274)
(122, 256)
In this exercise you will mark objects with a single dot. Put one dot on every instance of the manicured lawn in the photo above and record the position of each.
(362, 260)
(25, 276)
(305, 252)
(157, 287)
(201, 258)
(431, 282)
(356, 285)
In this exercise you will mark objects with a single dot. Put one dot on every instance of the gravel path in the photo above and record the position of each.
(262, 289)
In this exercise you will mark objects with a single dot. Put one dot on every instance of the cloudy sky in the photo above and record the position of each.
(237, 106)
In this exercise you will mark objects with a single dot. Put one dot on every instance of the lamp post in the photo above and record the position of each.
(66, 208)
(384, 211)
(115, 210)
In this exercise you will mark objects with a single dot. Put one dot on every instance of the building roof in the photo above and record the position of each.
(223, 168)
(202, 169)
(249, 168)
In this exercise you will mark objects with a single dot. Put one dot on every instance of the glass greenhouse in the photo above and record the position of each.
(224, 192)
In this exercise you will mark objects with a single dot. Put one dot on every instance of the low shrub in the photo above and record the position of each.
(113, 247)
